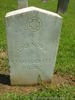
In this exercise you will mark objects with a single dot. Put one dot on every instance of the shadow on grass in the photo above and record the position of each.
(4, 79)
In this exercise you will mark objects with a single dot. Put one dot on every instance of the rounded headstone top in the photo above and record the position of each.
(28, 9)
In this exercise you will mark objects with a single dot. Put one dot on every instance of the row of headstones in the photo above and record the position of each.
(61, 7)
(32, 38)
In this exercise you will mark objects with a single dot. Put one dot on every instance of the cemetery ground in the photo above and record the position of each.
(63, 82)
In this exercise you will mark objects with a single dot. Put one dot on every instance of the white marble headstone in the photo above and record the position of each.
(22, 3)
(32, 38)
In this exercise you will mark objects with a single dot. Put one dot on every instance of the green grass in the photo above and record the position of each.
(66, 55)
(62, 93)
(5, 6)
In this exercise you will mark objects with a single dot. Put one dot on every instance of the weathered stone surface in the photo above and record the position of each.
(22, 3)
(33, 39)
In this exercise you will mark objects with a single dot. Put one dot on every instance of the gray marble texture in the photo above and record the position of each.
(33, 39)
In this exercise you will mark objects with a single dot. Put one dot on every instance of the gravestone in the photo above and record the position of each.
(22, 3)
(32, 38)
(62, 6)
(44, 1)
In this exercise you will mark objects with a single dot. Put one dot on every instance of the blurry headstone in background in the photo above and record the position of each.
(44, 1)
(22, 3)
(62, 6)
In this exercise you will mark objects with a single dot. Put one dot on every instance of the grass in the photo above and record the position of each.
(5, 6)
(66, 55)
(62, 93)
(65, 63)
